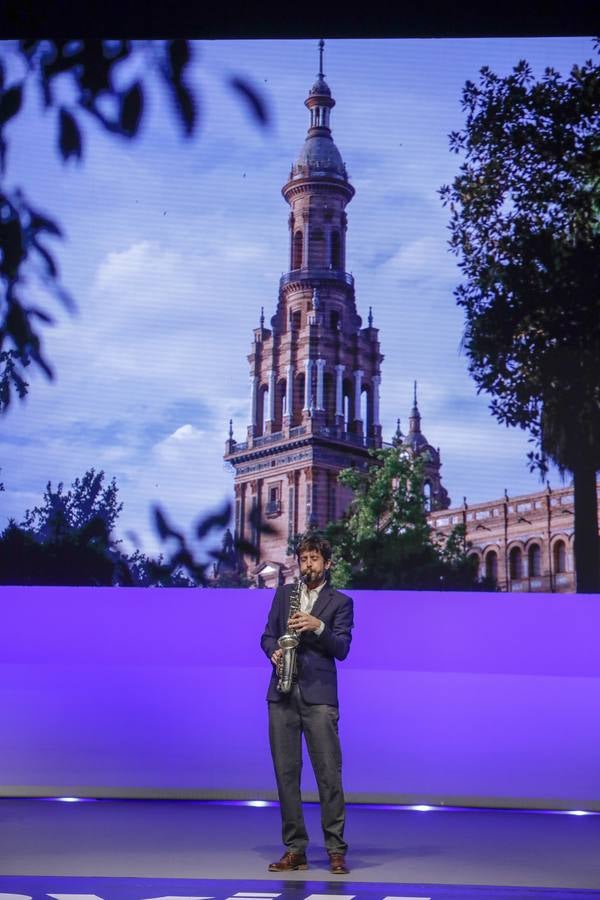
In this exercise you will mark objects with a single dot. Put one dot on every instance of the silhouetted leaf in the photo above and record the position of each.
(255, 520)
(132, 107)
(95, 71)
(65, 297)
(161, 524)
(11, 243)
(1, 75)
(246, 548)
(69, 135)
(28, 47)
(48, 259)
(182, 558)
(179, 56)
(253, 100)
(10, 103)
(164, 529)
(186, 106)
(39, 359)
(40, 314)
(40, 222)
(216, 520)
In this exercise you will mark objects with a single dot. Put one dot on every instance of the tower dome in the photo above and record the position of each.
(320, 87)
(319, 155)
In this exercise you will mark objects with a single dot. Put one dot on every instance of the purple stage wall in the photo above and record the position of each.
(476, 699)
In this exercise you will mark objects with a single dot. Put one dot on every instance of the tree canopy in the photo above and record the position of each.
(69, 539)
(524, 222)
(384, 540)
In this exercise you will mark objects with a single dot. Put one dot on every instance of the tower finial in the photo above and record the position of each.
(321, 45)
(415, 394)
(262, 317)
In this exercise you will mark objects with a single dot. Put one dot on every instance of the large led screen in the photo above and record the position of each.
(150, 261)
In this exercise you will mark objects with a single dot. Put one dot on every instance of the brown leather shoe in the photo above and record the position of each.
(288, 862)
(337, 864)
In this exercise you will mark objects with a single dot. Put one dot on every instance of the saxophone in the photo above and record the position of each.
(288, 642)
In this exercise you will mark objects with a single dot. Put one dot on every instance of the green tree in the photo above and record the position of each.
(63, 511)
(524, 223)
(67, 539)
(384, 541)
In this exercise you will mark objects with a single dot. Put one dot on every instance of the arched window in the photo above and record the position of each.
(263, 408)
(336, 262)
(364, 407)
(348, 408)
(491, 565)
(280, 405)
(515, 560)
(296, 413)
(334, 320)
(316, 247)
(329, 392)
(297, 251)
(427, 497)
(475, 562)
(559, 553)
(534, 558)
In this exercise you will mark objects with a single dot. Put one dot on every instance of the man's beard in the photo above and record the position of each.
(311, 577)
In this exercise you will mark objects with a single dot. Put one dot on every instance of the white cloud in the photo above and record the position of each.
(420, 259)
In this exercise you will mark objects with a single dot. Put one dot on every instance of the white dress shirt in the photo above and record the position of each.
(308, 598)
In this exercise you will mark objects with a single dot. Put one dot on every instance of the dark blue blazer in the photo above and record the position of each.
(317, 676)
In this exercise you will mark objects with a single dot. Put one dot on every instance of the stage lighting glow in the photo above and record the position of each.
(257, 803)
(422, 807)
(68, 799)
(578, 812)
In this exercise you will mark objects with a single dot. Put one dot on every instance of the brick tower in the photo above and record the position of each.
(315, 373)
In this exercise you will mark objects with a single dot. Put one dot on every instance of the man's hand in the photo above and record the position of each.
(277, 656)
(302, 621)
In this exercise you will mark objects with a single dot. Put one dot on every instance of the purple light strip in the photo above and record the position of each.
(261, 804)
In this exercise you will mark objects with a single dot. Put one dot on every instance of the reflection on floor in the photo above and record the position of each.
(393, 852)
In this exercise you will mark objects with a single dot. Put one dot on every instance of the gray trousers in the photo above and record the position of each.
(289, 718)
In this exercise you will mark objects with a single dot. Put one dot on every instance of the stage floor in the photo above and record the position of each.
(170, 839)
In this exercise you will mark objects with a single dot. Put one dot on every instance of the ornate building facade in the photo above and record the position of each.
(315, 372)
(521, 543)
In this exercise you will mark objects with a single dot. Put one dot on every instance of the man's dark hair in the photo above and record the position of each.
(314, 542)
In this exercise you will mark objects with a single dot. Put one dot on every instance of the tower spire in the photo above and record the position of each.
(415, 416)
(321, 73)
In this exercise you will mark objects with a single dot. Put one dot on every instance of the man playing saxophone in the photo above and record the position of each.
(321, 619)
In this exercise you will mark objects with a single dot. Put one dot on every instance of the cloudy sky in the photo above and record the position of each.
(173, 246)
